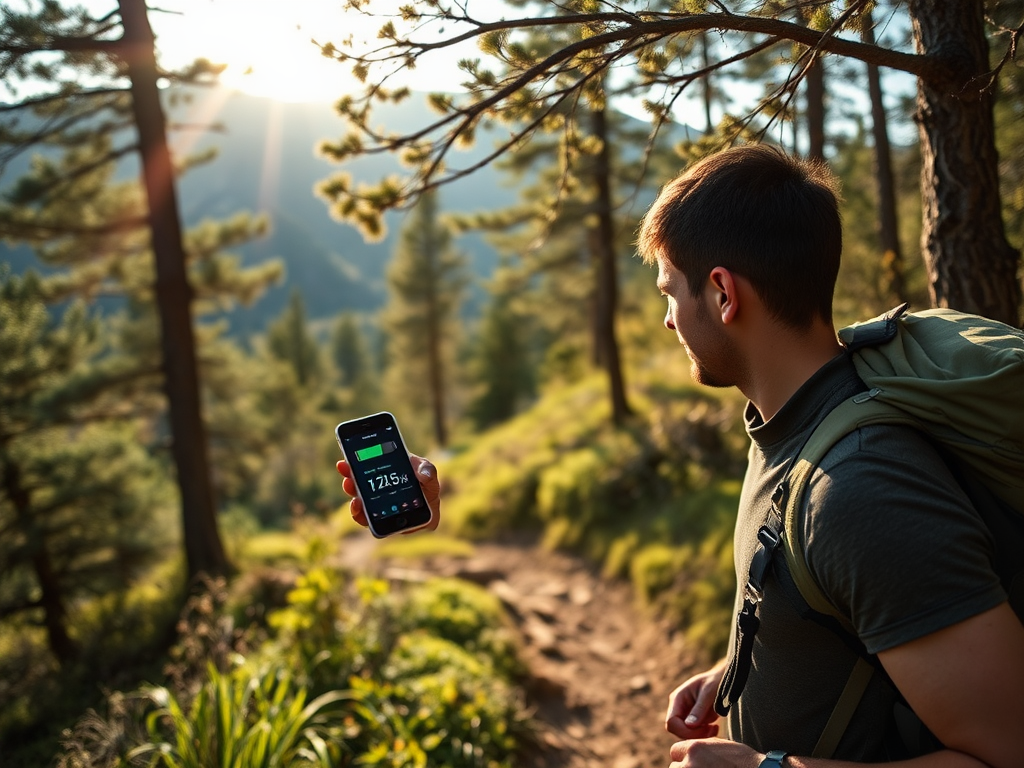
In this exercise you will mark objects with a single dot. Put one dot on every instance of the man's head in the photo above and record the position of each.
(767, 217)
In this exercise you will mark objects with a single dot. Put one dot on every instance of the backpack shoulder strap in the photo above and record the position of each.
(858, 411)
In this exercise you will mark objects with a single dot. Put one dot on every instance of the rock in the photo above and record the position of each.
(478, 574)
(553, 589)
(411, 575)
(580, 595)
(544, 607)
(577, 730)
(540, 634)
(639, 684)
(509, 596)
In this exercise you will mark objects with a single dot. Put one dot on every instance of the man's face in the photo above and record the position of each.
(713, 355)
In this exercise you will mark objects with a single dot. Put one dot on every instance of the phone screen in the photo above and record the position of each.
(383, 474)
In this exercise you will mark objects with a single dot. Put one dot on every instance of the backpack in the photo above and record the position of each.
(959, 378)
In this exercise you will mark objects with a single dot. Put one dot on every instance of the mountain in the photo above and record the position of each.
(267, 163)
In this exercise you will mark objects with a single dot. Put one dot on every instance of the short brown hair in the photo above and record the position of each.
(769, 217)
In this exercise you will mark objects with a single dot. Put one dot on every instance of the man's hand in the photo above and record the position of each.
(691, 706)
(426, 473)
(713, 753)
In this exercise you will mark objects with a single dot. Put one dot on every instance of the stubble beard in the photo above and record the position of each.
(718, 348)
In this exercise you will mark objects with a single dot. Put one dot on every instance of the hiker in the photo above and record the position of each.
(747, 245)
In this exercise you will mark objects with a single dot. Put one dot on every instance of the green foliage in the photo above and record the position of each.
(288, 339)
(421, 547)
(464, 614)
(630, 499)
(693, 584)
(862, 289)
(353, 674)
(425, 283)
(241, 719)
(83, 505)
(504, 379)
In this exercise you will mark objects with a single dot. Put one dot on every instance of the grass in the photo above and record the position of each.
(653, 501)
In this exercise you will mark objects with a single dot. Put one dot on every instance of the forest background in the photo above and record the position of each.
(196, 284)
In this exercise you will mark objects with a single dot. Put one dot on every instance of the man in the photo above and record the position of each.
(747, 245)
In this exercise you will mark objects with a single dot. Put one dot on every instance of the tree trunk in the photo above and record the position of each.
(816, 111)
(51, 593)
(203, 548)
(707, 91)
(435, 366)
(607, 289)
(814, 94)
(971, 266)
(888, 226)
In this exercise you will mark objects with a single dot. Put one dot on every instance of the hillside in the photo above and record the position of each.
(267, 163)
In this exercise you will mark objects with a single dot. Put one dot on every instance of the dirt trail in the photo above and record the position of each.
(600, 670)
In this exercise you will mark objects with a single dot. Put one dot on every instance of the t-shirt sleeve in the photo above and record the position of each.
(893, 541)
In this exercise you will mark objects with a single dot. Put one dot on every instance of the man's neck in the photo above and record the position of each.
(782, 360)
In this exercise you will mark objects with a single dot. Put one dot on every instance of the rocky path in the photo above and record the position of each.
(600, 670)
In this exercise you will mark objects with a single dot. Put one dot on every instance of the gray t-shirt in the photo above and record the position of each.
(892, 541)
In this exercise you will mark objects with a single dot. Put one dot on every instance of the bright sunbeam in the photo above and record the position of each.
(266, 44)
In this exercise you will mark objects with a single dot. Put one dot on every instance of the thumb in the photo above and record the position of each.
(703, 708)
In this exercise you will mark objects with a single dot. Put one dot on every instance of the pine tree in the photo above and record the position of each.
(888, 221)
(80, 499)
(425, 284)
(289, 339)
(114, 237)
(971, 265)
(503, 373)
(348, 350)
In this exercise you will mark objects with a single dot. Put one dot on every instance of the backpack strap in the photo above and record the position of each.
(858, 411)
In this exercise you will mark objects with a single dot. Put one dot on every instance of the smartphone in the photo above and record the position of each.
(383, 474)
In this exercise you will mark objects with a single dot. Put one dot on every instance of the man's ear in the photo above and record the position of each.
(724, 293)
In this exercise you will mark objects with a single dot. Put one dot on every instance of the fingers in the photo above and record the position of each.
(678, 728)
(348, 485)
(356, 508)
(426, 473)
(691, 712)
(703, 710)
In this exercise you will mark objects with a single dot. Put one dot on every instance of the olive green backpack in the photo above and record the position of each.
(960, 379)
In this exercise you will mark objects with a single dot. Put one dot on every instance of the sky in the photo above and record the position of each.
(266, 45)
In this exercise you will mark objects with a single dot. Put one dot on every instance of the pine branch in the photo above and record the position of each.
(59, 96)
(656, 26)
(62, 44)
(35, 231)
(68, 177)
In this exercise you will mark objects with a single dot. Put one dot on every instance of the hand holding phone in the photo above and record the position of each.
(395, 492)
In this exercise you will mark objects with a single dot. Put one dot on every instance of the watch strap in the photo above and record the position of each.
(774, 759)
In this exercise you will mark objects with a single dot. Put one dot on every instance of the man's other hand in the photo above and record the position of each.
(691, 707)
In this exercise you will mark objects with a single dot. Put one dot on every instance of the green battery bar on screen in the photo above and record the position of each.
(375, 450)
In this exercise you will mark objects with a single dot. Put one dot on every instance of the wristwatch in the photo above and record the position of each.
(774, 759)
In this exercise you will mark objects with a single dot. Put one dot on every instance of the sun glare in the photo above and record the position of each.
(266, 44)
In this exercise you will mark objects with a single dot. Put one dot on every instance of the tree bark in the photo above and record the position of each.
(707, 91)
(607, 288)
(51, 593)
(971, 266)
(888, 223)
(203, 548)
(435, 364)
(815, 95)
